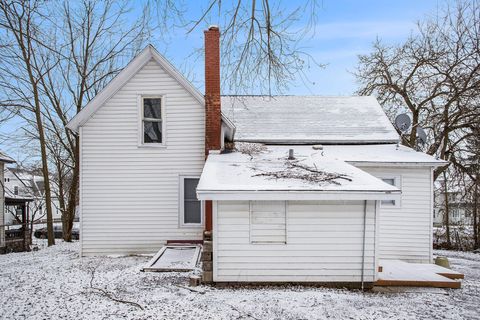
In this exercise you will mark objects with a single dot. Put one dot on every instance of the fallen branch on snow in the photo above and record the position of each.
(295, 170)
(108, 294)
(191, 289)
(241, 313)
(250, 149)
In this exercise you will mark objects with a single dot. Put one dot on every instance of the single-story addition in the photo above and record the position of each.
(291, 188)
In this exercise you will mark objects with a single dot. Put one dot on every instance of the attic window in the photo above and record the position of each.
(152, 120)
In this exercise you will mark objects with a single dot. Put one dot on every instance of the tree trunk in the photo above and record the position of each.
(72, 194)
(46, 177)
(413, 133)
(475, 216)
(21, 31)
(43, 149)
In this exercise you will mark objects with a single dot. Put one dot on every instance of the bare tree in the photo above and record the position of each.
(95, 43)
(58, 56)
(20, 22)
(261, 40)
(468, 164)
(434, 75)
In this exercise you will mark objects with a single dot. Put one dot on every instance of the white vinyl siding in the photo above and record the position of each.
(406, 231)
(129, 194)
(268, 222)
(324, 244)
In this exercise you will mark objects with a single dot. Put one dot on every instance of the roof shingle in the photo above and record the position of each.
(309, 119)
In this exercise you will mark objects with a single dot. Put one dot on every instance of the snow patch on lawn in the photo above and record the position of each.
(55, 283)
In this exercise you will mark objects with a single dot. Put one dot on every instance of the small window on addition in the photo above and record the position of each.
(152, 122)
(191, 207)
(393, 182)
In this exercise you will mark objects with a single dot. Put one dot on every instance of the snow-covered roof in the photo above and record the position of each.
(254, 176)
(309, 119)
(383, 154)
(5, 158)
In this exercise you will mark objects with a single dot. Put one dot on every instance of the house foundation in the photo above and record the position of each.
(207, 258)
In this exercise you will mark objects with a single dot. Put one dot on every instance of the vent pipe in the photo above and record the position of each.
(290, 155)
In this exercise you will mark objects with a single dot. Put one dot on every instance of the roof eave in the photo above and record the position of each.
(230, 134)
(315, 141)
(6, 159)
(297, 195)
(439, 163)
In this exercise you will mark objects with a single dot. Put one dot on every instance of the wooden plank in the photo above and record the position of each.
(419, 283)
(452, 276)
(400, 273)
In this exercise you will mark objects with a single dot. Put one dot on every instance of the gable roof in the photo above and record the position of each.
(137, 63)
(6, 159)
(309, 119)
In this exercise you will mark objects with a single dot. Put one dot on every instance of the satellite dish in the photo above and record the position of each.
(403, 122)
(421, 135)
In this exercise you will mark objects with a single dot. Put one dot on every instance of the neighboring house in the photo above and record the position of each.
(4, 159)
(22, 183)
(459, 206)
(304, 189)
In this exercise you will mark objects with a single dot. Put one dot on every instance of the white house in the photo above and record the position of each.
(460, 206)
(4, 159)
(23, 183)
(304, 189)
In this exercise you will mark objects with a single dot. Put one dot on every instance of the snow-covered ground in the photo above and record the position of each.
(54, 283)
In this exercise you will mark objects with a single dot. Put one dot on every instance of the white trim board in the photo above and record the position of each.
(382, 164)
(296, 195)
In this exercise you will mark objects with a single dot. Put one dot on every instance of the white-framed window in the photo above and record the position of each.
(455, 213)
(152, 120)
(394, 181)
(191, 209)
(268, 222)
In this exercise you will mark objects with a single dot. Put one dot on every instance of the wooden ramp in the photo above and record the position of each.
(179, 258)
(400, 273)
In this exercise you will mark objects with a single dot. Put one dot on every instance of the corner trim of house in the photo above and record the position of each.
(80, 191)
(214, 239)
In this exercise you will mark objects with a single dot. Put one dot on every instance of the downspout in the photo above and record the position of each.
(364, 236)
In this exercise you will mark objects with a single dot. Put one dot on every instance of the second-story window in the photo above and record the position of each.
(152, 122)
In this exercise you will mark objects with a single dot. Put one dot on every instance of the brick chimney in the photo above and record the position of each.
(213, 115)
